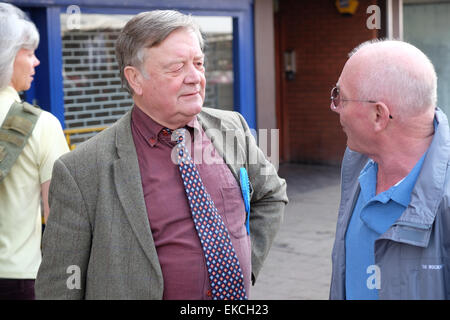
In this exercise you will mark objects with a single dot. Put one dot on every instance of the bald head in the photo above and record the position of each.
(394, 72)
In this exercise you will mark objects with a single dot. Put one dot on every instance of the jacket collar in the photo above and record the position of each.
(216, 129)
(415, 224)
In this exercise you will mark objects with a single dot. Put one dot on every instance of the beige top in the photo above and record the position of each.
(20, 193)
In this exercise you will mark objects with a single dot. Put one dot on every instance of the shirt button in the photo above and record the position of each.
(152, 141)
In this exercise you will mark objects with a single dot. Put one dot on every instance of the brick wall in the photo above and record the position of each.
(93, 96)
(321, 38)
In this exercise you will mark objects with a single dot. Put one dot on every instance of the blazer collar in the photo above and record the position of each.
(216, 129)
(208, 120)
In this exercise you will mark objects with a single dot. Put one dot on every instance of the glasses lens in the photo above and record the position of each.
(335, 96)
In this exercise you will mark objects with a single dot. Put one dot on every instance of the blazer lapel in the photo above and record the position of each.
(127, 180)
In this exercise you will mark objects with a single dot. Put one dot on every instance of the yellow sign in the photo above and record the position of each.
(347, 7)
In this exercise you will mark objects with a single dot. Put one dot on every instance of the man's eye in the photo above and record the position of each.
(177, 67)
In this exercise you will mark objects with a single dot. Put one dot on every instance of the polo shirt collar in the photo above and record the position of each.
(400, 192)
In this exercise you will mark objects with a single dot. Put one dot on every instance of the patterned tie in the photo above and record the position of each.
(225, 274)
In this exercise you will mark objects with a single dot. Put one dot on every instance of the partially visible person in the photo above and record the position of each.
(30, 141)
(392, 239)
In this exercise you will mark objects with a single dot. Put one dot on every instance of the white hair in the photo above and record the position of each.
(398, 74)
(16, 32)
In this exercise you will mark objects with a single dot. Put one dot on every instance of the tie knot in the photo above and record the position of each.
(180, 135)
(167, 131)
(177, 134)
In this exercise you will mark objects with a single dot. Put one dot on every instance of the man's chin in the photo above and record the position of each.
(192, 110)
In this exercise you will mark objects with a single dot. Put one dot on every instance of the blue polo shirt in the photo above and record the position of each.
(372, 216)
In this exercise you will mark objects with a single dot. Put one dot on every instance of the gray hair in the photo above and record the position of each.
(16, 32)
(389, 76)
(146, 30)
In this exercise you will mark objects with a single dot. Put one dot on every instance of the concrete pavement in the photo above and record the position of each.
(299, 263)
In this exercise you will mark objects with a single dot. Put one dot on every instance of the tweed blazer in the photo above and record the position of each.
(98, 243)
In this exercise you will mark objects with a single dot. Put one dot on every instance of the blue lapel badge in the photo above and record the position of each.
(245, 187)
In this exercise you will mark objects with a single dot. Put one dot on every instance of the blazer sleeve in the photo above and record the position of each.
(267, 203)
(66, 241)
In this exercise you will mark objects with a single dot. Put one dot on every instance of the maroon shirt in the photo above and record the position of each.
(177, 243)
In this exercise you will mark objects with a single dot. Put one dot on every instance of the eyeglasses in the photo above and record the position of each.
(336, 99)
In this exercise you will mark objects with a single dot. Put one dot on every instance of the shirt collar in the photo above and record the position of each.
(145, 125)
(400, 192)
(11, 93)
(194, 127)
(152, 130)
(368, 180)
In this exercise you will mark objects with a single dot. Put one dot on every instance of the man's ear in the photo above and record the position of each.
(134, 78)
(382, 116)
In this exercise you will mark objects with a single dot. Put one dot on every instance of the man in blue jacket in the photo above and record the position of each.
(392, 239)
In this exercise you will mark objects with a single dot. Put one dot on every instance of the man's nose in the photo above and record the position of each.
(194, 75)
